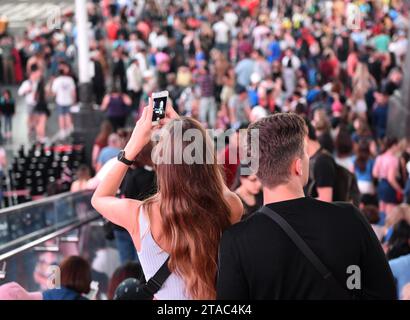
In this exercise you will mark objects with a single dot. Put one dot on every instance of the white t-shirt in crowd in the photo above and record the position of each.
(28, 89)
(231, 19)
(158, 41)
(221, 30)
(64, 88)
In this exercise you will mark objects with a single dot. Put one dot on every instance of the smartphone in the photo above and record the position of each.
(160, 103)
(94, 287)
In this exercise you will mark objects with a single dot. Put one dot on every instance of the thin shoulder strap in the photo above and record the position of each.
(298, 241)
(155, 283)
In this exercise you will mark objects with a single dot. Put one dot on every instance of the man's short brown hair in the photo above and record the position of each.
(281, 140)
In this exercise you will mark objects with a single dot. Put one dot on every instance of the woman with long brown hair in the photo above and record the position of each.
(185, 219)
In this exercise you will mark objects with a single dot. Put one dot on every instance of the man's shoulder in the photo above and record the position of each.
(244, 226)
(323, 154)
(332, 208)
(310, 206)
(323, 158)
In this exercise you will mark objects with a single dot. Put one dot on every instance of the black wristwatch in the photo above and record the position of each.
(121, 157)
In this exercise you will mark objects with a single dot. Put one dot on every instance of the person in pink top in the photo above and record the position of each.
(14, 291)
(385, 169)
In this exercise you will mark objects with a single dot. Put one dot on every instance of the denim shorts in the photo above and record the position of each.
(63, 110)
(386, 192)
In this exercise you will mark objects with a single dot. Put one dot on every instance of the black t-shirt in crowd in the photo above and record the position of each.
(138, 184)
(257, 260)
(322, 173)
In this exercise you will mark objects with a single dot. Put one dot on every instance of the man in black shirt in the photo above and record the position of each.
(322, 172)
(259, 261)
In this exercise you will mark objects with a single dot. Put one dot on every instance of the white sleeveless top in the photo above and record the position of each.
(152, 257)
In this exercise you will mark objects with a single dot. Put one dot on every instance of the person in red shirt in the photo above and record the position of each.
(112, 25)
(329, 67)
(251, 5)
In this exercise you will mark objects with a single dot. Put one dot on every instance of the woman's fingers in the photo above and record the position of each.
(150, 110)
(170, 112)
(163, 122)
(144, 114)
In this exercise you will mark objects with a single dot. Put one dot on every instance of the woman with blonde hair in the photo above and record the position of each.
(362, 82)
(185, 219)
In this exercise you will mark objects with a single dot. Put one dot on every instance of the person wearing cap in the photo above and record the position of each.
(130, 289)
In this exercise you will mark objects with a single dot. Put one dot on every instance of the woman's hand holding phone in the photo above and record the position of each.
(170, 114)
(144, 127)
(141, 134)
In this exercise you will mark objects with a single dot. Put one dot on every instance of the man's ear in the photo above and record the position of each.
(298, 167)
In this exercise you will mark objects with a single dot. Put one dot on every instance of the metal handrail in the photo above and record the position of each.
(31, 235)
(37, 237)
(41, 201)
(47, 237)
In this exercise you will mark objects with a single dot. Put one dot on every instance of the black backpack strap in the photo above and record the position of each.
(155, 283)
(298, 241)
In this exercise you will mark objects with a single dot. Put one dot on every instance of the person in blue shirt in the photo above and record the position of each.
(401, 272)
(253, 89)
(274, 50)
(110, 151)
(244, 70)
(75, 280)
(380, 114)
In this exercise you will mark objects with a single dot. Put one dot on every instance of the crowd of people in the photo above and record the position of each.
(233, 65)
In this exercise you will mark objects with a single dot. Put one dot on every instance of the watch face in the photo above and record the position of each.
(123, 159)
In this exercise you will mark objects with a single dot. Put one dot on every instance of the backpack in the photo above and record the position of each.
(346, 188)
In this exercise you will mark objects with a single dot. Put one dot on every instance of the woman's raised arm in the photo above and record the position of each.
(104, 200)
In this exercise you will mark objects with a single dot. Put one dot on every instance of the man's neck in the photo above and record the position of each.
(315, 147)
(282, 193)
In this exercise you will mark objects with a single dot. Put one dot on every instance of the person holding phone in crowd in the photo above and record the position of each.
(182, 222)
